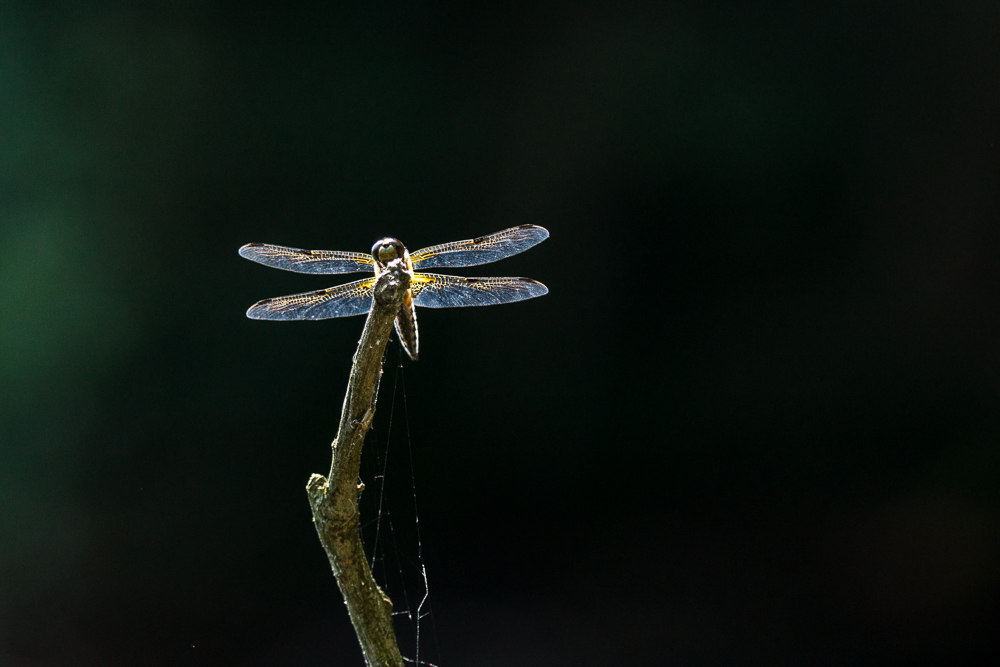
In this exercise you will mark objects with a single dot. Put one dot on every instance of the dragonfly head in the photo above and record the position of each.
(388, 249)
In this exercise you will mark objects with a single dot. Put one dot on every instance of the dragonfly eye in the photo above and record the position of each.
(386, 250)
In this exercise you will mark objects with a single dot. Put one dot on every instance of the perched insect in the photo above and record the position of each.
(431, 290)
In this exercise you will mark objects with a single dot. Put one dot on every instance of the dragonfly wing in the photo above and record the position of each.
(340, 301)
(307, 261)
(482, 250)
(432, 290)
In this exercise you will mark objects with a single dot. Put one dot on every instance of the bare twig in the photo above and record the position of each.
(334, 500)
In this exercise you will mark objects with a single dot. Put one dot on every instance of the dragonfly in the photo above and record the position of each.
(428, 290)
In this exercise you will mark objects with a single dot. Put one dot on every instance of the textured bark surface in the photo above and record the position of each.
(334, 499)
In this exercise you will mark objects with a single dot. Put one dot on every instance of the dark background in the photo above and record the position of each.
(754, 422)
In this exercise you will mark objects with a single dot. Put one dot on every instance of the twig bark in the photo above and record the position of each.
(334, 499)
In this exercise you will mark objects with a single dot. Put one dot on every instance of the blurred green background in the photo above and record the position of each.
(755, 421)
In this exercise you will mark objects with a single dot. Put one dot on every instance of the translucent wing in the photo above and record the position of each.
(340, 301)
(482, 250)
(307, 261)
(432, 290)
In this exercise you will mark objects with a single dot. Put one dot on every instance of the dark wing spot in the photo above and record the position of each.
(263, 302)
(254, 245)
(472, 280)
(321, 292)
(306, 252)
(525, 226)
(479, 240)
